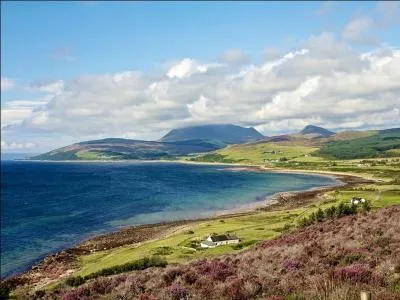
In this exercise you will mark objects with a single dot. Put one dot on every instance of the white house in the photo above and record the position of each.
(217, 240)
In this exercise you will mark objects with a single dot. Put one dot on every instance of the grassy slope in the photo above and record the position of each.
(334, 259)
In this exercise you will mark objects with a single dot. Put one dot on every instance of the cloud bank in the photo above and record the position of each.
(325, 81)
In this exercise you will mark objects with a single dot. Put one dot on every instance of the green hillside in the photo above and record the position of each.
(378, 145)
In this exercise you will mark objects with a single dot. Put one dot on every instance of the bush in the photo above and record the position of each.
(163, 250)
(178, 292)
(366, 206)
(319, 216)
(343, 209)
(139, 264)
(75, 281)
(330, 212)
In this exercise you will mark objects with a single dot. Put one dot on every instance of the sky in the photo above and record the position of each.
(74, 71)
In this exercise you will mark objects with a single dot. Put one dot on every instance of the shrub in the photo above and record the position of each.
(355, 273)
(178, 292)
(75, 281)
(366, 206)
(319, 216)
(290, 264)
(163, 250)
(216, 269)
(330, 212)
(139, 264)
(234, 289)
(170, 275)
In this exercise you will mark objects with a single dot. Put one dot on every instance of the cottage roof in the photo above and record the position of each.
(223, 237)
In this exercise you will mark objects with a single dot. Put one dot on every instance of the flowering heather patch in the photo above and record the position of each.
(178, 292)
(290, 264)
(216, 269)
(333, 259)
(355, 273)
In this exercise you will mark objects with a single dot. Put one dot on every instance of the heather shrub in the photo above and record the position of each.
(171, 274)
(354, 273)
(101, 286)
(234, 289)
(290, 264)
(190, 277)
(178, 292)
(216, 269)
(147, 297)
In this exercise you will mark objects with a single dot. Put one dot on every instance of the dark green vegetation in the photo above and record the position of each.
(341, 210)
(221, 134)
(140, 264)
(376, 145)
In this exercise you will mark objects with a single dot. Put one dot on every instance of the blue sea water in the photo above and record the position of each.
(48, 206)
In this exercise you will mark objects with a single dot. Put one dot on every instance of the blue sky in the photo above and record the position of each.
(47, 42)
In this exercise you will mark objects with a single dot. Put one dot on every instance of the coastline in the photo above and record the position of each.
(131, 235)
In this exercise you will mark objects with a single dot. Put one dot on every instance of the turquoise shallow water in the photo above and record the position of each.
(47, 206)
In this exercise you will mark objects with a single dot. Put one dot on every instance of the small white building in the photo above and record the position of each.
(217, 240)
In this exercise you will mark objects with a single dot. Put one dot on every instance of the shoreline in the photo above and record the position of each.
(131, 235)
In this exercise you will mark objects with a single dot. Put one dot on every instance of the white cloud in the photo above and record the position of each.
(16, 146)
(14, 112)
(6, 84)
(187, 67)
(323, 82)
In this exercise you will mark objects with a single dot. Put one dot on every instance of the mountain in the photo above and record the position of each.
(313, 131)
(177, 142)
(117, 148)
(219, 134)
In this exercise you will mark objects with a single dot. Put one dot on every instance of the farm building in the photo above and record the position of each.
(218, 240)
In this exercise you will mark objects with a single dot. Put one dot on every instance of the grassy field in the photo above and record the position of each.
(258, 153)
(251, 228)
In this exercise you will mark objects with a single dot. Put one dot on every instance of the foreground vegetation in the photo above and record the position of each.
(333, 259)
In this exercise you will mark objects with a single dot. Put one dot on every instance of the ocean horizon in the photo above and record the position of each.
(50, 206)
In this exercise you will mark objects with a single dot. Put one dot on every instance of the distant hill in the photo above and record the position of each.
(305, 148)
(177, 142)
(315, 131)
(376, 144)
(219, 134)
(116, 148)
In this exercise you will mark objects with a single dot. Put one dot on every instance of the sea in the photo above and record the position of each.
(50, 206)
